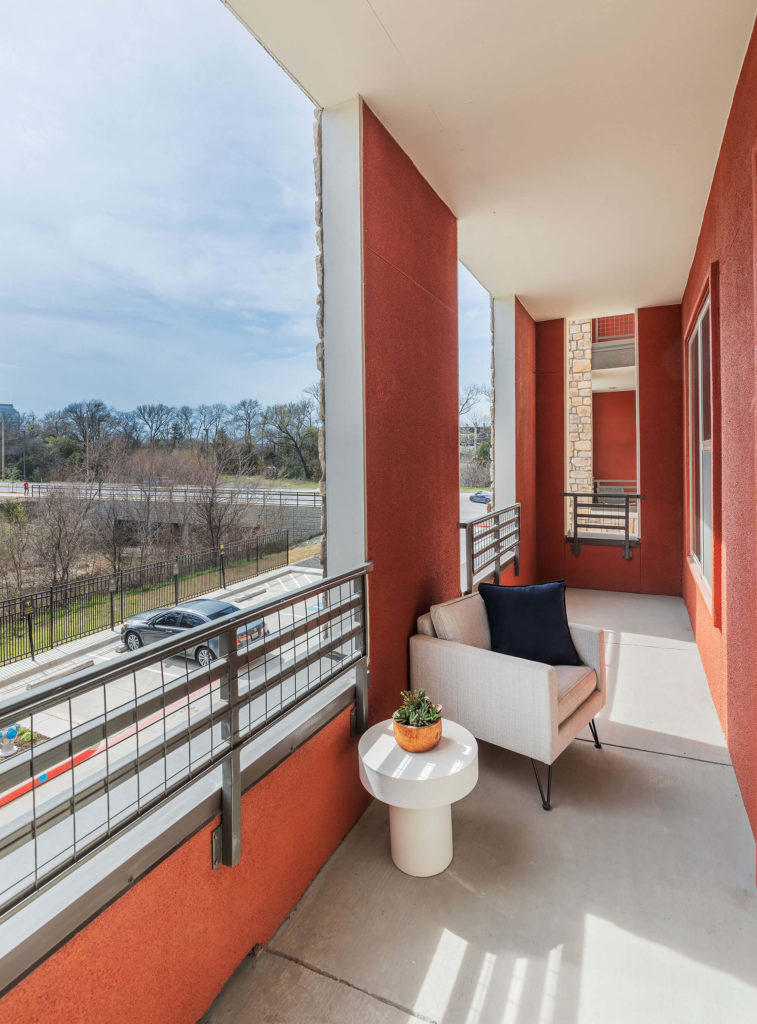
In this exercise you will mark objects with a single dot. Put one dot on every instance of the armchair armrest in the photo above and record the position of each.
(590, 644)
(507, 701)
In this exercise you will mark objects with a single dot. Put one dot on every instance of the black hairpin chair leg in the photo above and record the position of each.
(544, 800)
(593, 728)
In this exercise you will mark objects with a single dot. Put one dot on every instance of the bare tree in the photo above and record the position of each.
(16, 548)
(246, 416)
(61, 532)
(156, 418)
(290, 426)
(216, 514)
(470, 396)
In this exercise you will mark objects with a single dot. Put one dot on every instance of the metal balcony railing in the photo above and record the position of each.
(603, 519)
(492, 542)
(105, 746)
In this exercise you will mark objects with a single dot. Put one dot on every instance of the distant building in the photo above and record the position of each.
(11, 416)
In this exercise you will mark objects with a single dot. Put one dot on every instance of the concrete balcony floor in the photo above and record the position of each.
(633, 900)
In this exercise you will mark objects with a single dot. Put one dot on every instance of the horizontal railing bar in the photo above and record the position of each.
(46, 695)
(95, 730)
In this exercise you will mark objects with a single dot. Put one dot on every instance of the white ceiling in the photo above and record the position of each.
(575, 141)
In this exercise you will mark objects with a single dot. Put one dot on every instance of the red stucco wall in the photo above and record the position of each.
(411, 411)
(727, 240)
(614, 432)
(162, 952)
(550, 448)
(656, 566)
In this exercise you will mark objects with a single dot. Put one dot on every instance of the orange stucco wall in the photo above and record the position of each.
(656, 566)
(411, 411)
(725, 257)
(614, 435)
(162, 952)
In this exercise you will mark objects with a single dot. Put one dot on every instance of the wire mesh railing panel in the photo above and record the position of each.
(83, 758)
(491, 543)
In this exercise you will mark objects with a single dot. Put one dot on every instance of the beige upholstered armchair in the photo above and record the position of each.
(525, 706)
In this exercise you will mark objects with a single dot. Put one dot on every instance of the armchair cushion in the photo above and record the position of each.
(575, 684)
(530, 622)
(463, 621)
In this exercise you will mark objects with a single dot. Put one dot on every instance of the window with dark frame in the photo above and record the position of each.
(700, 444)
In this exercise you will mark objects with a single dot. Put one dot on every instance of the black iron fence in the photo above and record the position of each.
(41, 620)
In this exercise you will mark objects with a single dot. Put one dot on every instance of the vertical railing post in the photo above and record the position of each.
(257, 554)
(222, 566)
(468, 558)
(51, 617)
(176, 581)
(626, 530)
(287, 543)
(362, 672)
(231, 791)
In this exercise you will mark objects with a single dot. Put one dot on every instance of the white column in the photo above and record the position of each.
(504, 401)
(343, 336)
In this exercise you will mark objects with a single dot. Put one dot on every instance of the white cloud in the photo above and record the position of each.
(156, 206)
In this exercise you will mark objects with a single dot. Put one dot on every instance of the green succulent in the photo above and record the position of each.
(417, 709)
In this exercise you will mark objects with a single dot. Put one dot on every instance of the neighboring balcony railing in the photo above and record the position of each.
(492, 543)
(105, 746)
(607, 486)
(603, 519)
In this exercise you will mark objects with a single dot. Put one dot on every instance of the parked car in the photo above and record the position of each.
(149, 627)
(483, 497)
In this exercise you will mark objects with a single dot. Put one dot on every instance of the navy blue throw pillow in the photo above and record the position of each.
(530, 622)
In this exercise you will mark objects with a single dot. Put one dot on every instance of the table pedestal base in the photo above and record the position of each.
(421, 839)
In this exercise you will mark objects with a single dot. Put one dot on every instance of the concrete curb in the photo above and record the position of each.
(71, 667)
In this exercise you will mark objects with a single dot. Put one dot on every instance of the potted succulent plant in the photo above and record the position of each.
(418, 722)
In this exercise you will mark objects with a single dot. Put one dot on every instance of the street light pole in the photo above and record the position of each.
(24, 455)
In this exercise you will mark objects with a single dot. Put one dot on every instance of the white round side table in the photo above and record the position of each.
(420, 790)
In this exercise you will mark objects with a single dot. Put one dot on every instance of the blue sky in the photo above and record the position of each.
(156, 211)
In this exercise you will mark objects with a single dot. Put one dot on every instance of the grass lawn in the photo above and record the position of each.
(276, 485)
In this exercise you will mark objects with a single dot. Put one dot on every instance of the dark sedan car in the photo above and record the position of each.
(149, 627)
(484, 497)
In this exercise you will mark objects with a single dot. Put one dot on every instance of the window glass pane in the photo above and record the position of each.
(705, 374)
(706, 555)
(171, 619)
(695, 445)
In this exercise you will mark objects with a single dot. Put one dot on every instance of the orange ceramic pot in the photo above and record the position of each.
(417, 738)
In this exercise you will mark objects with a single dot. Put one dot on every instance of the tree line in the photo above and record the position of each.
(90, 440)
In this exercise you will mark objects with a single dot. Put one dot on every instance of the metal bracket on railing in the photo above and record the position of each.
(359, 717)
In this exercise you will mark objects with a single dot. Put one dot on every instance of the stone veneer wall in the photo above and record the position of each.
(580, 427)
